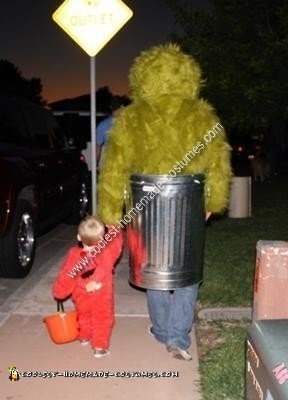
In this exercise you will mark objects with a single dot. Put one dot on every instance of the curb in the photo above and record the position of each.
(225, 313)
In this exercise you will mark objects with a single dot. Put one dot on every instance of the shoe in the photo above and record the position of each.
(179, 353)
(84, 342)
(99, 353)
(150, 331)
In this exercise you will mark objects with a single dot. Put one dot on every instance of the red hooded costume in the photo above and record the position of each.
(95, 309)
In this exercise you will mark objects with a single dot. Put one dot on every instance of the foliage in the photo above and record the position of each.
(104, 99)
(13, 83)
(242, 47)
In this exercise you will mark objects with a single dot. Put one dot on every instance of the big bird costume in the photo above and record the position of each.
(166, 119)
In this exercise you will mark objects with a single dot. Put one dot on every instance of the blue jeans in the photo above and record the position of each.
(172, 315)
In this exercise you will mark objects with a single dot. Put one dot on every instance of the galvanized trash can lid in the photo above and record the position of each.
(167, 179)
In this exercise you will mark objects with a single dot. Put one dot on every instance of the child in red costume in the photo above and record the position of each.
(92, 286)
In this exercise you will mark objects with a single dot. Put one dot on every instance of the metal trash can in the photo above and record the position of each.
(166, 234)
(267, 360)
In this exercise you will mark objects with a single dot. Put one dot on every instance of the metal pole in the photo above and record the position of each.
(93, 132)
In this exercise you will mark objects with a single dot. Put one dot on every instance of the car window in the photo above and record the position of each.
(77, 126)
(12, 127)
(56, 133)
(38, 128)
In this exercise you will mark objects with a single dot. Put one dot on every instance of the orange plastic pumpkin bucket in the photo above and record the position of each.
(63, 326)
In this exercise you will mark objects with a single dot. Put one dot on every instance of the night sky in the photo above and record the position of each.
(32, 41)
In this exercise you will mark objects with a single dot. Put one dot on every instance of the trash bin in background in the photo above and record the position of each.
(267, 345)
(166, 234)
(240, 197)
(267, 360)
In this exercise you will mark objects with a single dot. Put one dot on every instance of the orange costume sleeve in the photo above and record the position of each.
(108, 257)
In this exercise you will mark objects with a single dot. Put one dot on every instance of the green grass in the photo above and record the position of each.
(222, 369)
(231, 246)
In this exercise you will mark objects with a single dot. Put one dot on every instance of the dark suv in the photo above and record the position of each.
(42, 181)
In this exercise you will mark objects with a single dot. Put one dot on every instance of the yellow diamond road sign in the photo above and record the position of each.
(92, 23)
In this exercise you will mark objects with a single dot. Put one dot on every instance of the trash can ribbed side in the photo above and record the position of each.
(167, 231)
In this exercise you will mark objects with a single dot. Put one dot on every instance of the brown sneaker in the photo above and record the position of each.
(179, 353)
(99, 353)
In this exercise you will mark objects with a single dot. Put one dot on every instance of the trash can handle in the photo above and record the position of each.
(60, 306)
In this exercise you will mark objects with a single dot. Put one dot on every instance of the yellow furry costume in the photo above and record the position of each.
(164, 122)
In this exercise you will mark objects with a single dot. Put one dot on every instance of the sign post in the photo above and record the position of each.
(91, 24)
(93, 133)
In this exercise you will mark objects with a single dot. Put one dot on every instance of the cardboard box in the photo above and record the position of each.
(271, 281)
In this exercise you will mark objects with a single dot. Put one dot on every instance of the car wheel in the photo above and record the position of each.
(17, 247)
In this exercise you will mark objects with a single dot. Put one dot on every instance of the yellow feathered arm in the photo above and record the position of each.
(218, 174)
(113, 174)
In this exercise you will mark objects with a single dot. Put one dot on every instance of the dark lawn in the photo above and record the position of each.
(231, 245)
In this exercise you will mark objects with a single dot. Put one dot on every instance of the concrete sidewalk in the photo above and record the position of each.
(24, 342)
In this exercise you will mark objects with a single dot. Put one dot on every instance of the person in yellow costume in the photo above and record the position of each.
(165, 120)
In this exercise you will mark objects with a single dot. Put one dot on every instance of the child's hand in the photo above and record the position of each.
(98, 285)
(93, 286)
(208, 215)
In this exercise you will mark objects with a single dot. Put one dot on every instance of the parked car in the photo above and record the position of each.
(43, 181)
(77, 128)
